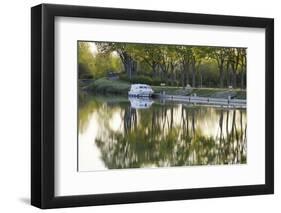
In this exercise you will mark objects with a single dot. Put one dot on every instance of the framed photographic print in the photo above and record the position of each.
(140, 106)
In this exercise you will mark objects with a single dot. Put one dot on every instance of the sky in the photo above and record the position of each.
(93, 47)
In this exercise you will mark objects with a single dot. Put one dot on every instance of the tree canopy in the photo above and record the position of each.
(175, 65)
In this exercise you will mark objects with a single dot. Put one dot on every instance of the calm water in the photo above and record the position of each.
(117, 132)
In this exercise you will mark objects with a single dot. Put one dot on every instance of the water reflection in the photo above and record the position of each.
(140, 103)
(139, 133)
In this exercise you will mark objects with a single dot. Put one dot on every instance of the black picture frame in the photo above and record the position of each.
(43, 105)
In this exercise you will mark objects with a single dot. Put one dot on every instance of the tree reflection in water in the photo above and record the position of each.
(165, 134)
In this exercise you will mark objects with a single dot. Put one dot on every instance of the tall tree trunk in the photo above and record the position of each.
(129, 64)
(164, 71)
(193, 74)
(154, 71)
(242, 80)
(173, 73)
(199, 71)
(227, 75)
(185, 74)
(201, 79)
(234, 80)
(221, 75)
(234, 77)
(135, 66)
(183, 78)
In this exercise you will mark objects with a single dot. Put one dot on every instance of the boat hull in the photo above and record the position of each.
(140, 94)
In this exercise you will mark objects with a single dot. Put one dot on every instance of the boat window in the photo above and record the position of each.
(139, 87)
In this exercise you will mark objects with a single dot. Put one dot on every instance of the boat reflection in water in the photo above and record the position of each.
(140, 102)
(120, 133)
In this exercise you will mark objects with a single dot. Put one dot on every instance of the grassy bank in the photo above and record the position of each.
(105, 86)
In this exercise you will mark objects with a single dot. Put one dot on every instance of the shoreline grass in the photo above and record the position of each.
(119, 87)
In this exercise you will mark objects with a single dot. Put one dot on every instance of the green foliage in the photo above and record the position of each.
(141, 79)
(85, 60)
(84, 72)
(104, 63)
(97, 65)
(105, 86)
(210, 75)
(174, 65)
(168, 89)
(124, 77)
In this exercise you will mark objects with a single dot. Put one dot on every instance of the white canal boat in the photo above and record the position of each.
(140, 90)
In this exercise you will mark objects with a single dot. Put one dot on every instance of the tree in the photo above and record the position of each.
(84, 61)
(172, 64)
(123, 50)
(199, 54)
(145, 54)
(220, 56)
(243, 60)
(234, 55)
(105, 63)
(184, 55)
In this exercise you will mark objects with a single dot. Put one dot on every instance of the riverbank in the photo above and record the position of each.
(105, 86)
